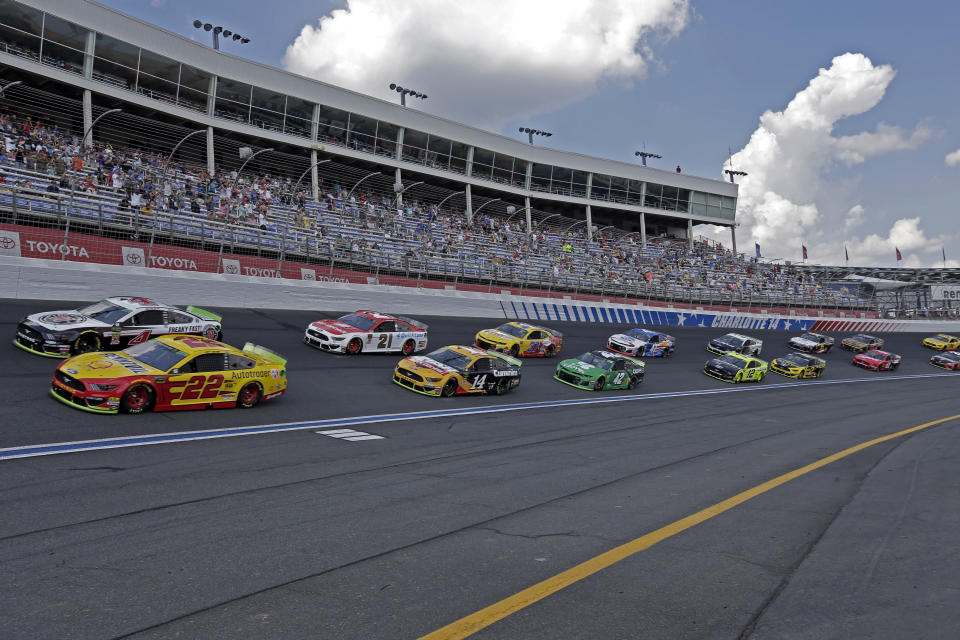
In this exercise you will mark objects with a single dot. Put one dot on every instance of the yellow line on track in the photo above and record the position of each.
(474, 622)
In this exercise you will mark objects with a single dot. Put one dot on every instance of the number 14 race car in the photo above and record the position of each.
(170, 373)
(111, 324)
(457, 370)
(367, 331)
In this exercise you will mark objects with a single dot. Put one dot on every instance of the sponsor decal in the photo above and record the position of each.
(9, 243)
(62, 318)
(127, 363)
(231, 266)
(133, 256)
(72, 371)
(249, 374)
(274, 373)
(308, 274)
(58, 249)
(100, 364)
(167, 262)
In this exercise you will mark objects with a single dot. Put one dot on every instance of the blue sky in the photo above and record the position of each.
(705, 87)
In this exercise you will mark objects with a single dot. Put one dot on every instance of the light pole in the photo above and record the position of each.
(401, 191)
(7, 86)
(166, 164)
(515, 211)
(455, 193)
(646, 154)
(534, 132)
(83, 141)
(731, 173)
(477, 210)
(217, 30)
(406, 92)
(357, 183)
(315, 164)
(252, 156)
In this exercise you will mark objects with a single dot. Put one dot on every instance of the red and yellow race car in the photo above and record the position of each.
(170, 373)
(520, 340)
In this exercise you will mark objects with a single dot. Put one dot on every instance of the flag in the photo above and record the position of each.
(899, 256)
(846, 253)
(757, 247)
(944, 251)
(804, 251)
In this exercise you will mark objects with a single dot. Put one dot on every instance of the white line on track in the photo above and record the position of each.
(56, 448)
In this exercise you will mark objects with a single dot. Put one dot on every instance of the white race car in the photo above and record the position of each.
(367, 331)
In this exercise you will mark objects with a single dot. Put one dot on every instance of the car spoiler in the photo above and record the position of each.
(266, 354)
(514, 361)
(203, 313)
(416, 323)
(643, 365)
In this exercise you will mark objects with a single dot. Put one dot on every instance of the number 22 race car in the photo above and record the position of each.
(367, 331)
(170, 373)
(457, 370)
(111, 324)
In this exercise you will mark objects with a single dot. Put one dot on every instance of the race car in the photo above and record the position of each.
(861, 342)
(735, 367)
(601, 370)
(949, 360)
(877, 360)
(942, 342)
(735, 343)
(170, 373)
(798, 365)
(458, 370)
(642, 342)
(369, 332)
(111, 324)
(520, 340)
(811, 343)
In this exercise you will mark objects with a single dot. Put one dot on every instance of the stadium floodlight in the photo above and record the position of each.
(8, 85)
(731, 173)
(534, 132)
(646, 154)
(217, 31)
(406, 92)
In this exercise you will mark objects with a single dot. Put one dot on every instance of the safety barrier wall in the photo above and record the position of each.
(42, 279)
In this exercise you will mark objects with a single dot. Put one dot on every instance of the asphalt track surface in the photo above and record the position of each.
(301, 535)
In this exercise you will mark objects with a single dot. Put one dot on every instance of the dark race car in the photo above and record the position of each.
(949, 360)
(811, 343)
(876, 360)
(798, 365)
(110, 325)
(861, 342)
(735, 343)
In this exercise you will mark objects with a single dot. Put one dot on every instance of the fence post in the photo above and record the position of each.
(330, 253)
(14, 205)
(280, 256)
(220, 254)
(153, 235)
(66, 234)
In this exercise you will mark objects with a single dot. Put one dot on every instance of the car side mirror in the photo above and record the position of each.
(174, 370)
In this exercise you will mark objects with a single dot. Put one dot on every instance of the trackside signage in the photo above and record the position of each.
(9, 243)
(945, 292)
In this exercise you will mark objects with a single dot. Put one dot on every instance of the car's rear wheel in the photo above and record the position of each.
(249, 396)
(550, 351)
(738, 377)
(137, 399)
(354, 346)
(408, 347)
(598, 385)
(86, 343)
(515, 351)
(634, 381)
(502, 387)
(450, 389)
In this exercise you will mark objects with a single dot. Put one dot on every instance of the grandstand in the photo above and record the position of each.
(200, 169)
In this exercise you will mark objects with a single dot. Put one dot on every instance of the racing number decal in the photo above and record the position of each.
(480, 381)
(385, 341)
(199, 343)
(619, 378)
(143, 336)
(195, 388)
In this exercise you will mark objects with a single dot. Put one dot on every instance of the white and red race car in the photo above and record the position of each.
(367, 332)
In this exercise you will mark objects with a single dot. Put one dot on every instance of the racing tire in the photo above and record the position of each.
(250, 395)
(502, 387)
(514, 351)
(634, 381)
(408, 348)
(85, 343)
(760, 379)
(598, 385)
(137, 399)
(354, 347)
(894, 366)
(550, 352)
(449, 389)
(668, 353)
(738, 377)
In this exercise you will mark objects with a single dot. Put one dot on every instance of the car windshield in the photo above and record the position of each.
(943, 337)
(155, 354)
(596, 361)
(451, 358)
(104, 311)
(516, 332)
(862, 337)
(732, 339)
(638, 333)
(795, 358)
(812, 337)
(951, 355)
(360, 322)
(879, 355)
(735, 361)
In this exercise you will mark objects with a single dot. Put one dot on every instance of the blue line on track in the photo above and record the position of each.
(55, 448)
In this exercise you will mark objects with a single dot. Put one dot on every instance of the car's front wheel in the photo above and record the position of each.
(137, 399)
(354, 346)
(598, 385)
(515, 351)
(449, 389)
(86, 343)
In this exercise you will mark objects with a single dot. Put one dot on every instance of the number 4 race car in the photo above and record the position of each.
(170, 373)
(600, 370)
(733, 367)
(876, 360)
(367, 331)
(458, 370)
(111, 324)
(520, 339)
(642, 342)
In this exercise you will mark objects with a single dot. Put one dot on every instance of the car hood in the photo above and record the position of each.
(424, 365)
(719, 344)
(102, 366)
(787, 364)
(497, 336)
(64, 321)
(724, 366)
(851, 341)
(581, 368)
(803, 342)
(334, 327)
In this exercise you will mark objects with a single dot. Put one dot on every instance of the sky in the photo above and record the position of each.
(843, 114)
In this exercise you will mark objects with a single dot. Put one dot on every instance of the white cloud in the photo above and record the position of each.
(953, 158)
(485, 63)
(785, 201)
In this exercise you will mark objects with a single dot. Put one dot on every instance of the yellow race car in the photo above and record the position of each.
(942, 342)
(457, 370)
(520, 340)
(170, 373)
(798, 365)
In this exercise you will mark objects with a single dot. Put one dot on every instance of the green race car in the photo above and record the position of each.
(601, 370)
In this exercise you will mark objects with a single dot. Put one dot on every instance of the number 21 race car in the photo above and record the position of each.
(170, 373)
(109, 325)
(457, 370)
(367, 331)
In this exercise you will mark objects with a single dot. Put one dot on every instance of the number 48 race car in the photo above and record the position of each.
(367, 331)
(170, 373)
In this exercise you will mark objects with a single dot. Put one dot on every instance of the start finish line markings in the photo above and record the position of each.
(349, 434)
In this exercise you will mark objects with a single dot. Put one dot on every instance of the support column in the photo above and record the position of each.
(88, 116)
(529, 179)
(469, 170)
(88, 54)
(643, 229)
(589, 225)
(526, 210)
(314, 178)
(690, 234)
(399, 154)
(211, 160)
(212, 96)
(469, 209)
(398, 184)
(733, 239)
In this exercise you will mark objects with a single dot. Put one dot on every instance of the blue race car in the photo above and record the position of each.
(642, 342)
